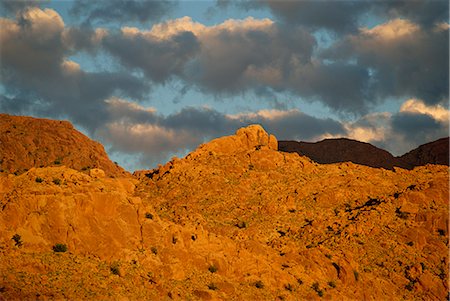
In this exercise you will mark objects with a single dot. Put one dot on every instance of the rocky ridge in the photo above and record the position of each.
(27, 142)
(234, 220)
(348, 150)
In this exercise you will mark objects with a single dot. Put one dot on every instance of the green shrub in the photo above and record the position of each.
(332, 284)
(39, 180)
(148, 215)
(154, 250)
(56, 181)
(60, 248)
(57, 161)
(17, 240)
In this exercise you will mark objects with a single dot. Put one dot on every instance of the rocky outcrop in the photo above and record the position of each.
(253, 137)
(234, 220)
(436, 152)
(27, 142)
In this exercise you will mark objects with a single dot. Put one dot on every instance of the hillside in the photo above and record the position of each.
(343, 150)
(234, 220)
(436, 152)
(348, 150)
(27, 142)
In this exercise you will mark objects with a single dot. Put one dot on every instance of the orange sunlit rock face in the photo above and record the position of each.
(235, 219)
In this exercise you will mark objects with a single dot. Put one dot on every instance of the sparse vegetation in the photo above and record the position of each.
(39, 180)
(212, 268)
(288, 287)
(154, 250)
(401, 214)
(356, 274)
(17, 240)
(148, 215)
(115, 268)
(315, 286)
(57, 161)
(56, 181)
(259, 284)
(251, 167)
(60, 248)
(241, 224)
(212, 286)
(331, 284)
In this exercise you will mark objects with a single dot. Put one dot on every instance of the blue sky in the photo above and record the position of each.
(154, 79)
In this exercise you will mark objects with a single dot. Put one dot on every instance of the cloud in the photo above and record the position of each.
(239, 56)
(122, 11)
(159, 59)
(416, 106)
(414, 124)
(154, 138)
(405, 60)
(344, 17)
(13, 7)
(36, 70)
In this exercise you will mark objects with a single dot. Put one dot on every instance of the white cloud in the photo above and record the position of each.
(438, 112)
(392, 30)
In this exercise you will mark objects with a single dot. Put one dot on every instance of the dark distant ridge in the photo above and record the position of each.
(348, 150)
(436, 152)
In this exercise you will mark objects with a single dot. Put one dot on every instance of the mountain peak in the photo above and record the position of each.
(247, 138)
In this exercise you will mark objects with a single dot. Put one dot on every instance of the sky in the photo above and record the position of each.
(151, 80)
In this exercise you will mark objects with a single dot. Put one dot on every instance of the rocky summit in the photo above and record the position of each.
(236, 219)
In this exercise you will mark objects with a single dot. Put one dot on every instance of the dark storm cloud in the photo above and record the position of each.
(122, 11)
(338, 16)
(405, 59)
(248, 57)
(342, 87)
(154, 137)
(415, 125)
(35, 70)
(424, 12)
(158, 59)
(14, 6)
(345, 16)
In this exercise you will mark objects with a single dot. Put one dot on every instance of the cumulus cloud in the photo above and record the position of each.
(405, 60)
(35, 69)
(414, 124)
(106, 11)
(154, 138)
(343, 17)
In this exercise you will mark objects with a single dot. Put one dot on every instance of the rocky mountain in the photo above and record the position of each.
(27, 142)
(348, 150)
(436, 152)
(236, 219)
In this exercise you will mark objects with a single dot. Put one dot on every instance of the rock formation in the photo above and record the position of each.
(236, 219)
(27, 142)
